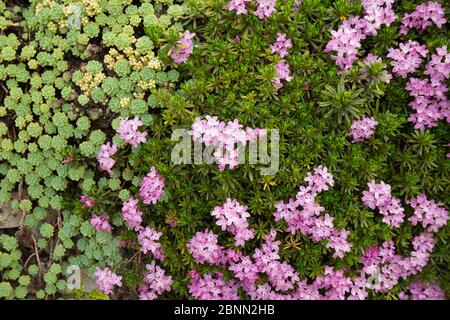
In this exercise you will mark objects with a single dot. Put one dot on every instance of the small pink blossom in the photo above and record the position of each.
(106, 280)
(204, 247)
(152, 186)
(101, 222)
(184, 47)
(86, 201)
(423, 16)
(233, 218)
(265, 8)
(362, 130)
(282, 73)
(147, 238)
(431, 214)
(128, 131)
(239, 6)
(281, 45)
(155, 282)
(104, 157)
(407, 58)
(131, 213)
(378, 196)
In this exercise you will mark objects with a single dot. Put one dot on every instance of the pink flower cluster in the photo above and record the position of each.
(281, 45)
(239, 6)
(303, 213)
(212, 287)
(423, 291)
(431, 214)
(430, 101)
(407, 57)
(155, 282)
(204, 247)
(385, 268)
(347, 39)
(131, 213)
(281, 276)
(282, 74)
(86, 201)
(438, 68)
(106, 280)
(225, 138)
(101, 222)
(423, 16)
(378, 196)
(361, 130)
(104, 157)
(370, 60)
(381, 271)
(148, 238)
(379, 12)
(233, 218)
(184, 47)
(152, 186)
(282, 70)
(128, 131)
(264, 10)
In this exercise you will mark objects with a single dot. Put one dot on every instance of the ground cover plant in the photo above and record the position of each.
(350, 95)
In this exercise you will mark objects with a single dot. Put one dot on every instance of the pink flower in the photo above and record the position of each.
(423, 291)
(347, 39)
(303, 213)
(379, 12)
(233, 218)
(204, 247)
(423, 16)
(104, 157)
(106, 280)
(212, 287)
(148, 238)
(407, 57)
(438, 68)
(101, 222)
(131, 213)
(265, 8)
(68, 159)
(320, 180)
(282, 73)
(430, 213)
(281, 45)
(155, 282)
(430, 103)
(152, 186)
(238, 6)
(379, 196)
(128, 131)
(184, 47)
(246, 271)
(86, 201)
(225, 138)
(362, 129)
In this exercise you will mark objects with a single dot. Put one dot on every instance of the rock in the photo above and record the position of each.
(9, 218)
